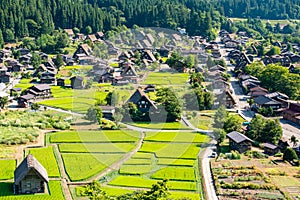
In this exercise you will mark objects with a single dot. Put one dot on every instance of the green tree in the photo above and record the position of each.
(290, 155)
(274, 51)
(220, 117)
(35, 60)
(3, 102)
(59, 62)
(170, 103)
(219, 135)
(9, 35)
(1, 39)
(94, 114)
(294, 140)
(35, 106)
(233, 123)
(88, 30)
(264, 130)
(208, 100)
(94, 191)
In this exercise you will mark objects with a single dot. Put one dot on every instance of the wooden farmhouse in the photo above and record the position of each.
(142, 101)
(270, 149)
(239, 142)
(30, 177)
(292, 113)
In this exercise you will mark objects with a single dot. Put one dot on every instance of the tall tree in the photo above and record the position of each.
(220, 117)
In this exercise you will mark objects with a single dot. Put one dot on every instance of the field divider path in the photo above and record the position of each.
(114, 166)
(65, 178)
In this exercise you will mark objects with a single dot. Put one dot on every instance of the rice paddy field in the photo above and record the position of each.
(162, 126)
(80, 100)
(6, 192)
(163, 78)
(164, 155)
(87, 153)
(47, 158)
(7, 168)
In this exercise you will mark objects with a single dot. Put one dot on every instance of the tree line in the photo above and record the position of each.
(35, 17)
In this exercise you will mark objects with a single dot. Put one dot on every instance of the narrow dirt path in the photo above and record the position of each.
(114, 166)
(65, 179)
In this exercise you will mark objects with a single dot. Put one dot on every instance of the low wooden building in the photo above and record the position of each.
(292, 113)
(108, 112)
(26, 100)
(239, 142)
(30, 177)
(270, 149)
(77, 82)
(60, 82)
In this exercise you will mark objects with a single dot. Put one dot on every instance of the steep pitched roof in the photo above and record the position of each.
(86, 49)
(137, 95)
(127, 68)
(263, 100)
(26, 165)
(277, 95)
(258, 88)
(238, 137)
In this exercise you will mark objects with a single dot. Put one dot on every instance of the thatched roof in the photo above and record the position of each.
(137, 95)
(26, 165)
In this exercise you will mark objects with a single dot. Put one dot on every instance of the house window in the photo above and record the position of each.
(143, 102)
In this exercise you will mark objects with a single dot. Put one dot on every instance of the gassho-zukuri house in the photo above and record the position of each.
(30, 177)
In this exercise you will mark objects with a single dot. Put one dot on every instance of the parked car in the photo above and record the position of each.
(213, 155)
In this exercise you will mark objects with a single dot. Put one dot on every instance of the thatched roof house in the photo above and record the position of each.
(30, 177)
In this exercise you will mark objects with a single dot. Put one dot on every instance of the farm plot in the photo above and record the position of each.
(55, 190)
(94, 136)
(135, 169)
(176, 162)
(162, 126)
(7, 168)
(80, 100)
(83, 166)
(46, 157)
(96, 147)
(245, 180)
(187, 137)
(172, 155)
(171, 150)
(175, 173)
(86, 153)
(161, 78)
(134, 181)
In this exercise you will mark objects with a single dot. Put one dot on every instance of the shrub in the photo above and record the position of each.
(290, 155)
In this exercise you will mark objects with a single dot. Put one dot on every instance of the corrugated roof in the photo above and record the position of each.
(238, 137)
(270, 146)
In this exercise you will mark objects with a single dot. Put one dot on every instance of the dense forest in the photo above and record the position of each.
(19, 18)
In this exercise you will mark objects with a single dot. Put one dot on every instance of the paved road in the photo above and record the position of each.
(207, 175)
(289, 129)
(64, 111)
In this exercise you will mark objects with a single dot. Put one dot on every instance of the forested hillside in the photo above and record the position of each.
(19, 18)
(265, 9)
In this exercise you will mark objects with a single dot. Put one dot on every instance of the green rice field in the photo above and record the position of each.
(6, 192)
(7, 168)
(47, 158)
(163, 78)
